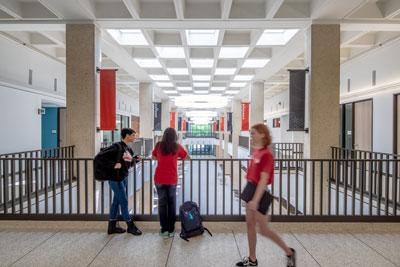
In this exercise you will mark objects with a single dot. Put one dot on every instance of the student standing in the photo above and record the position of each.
(167, 152)
(260, 174)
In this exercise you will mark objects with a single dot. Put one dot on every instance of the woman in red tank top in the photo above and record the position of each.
(259, 175)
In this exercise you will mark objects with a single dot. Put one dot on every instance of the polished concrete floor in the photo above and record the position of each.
(26, 243)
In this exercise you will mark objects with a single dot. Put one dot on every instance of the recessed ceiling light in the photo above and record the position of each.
(178, 71)
(237, 85)
(255, 63)
(159, 77)
(170, 91)
(216, 88)
(243, 77)
(201, 92)
(164, 84)
(225, 71)
(201, 84)
(128, 37)
(233, 52)
(201, 63)
(201, 77)
(202, 37)
(184, 88)
(232, 92)
(276, 37)
(148, 62)
(171, 52)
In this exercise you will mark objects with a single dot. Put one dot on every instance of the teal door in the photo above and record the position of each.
(50, 128)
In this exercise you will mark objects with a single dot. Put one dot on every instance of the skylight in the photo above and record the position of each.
(202, 37)
(159, 77)
(201, 84)
(164, 84)
(237, 85)
(225, 71)
(232, 92)
(201, 92)
(201, 101)
(170, 91)
(201, 77)
(217, 88)
(233, 52)
(201, 63)
(148, 62)
(255, 63)
(184, 88)
(276, 37)
(178, 71)
(243, 77)
(128, 37)
(171, 52)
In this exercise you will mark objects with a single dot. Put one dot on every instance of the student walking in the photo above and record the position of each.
(260, 174)
(167, 152)
(121, 157)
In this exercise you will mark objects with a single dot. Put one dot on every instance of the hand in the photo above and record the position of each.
(138, 158)
(118, 166)
(252, 205)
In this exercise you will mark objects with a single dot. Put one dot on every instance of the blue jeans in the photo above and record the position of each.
(167, 206)
(120, 200)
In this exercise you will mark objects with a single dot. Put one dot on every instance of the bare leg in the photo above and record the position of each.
(251, 233)
(264, 229)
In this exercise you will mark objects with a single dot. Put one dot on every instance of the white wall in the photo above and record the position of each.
(19, 120)
(127, 105)
(383, 123)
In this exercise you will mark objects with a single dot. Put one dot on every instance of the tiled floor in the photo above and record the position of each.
(87, 244)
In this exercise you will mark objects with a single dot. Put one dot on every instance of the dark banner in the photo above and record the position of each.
(108, 111)
(179, 123)
(157, 116)
(229, 123)
(297, 86)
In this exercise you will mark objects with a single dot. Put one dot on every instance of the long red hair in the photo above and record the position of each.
(262, 129)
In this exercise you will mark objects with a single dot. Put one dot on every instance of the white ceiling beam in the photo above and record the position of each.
(12, 8)
(368, 25)
(133, 7)
(272, 7)
(347, 37)
(390, 8)
(56, 37)
(47, 4)
(226, 6)
(333, 9)
(89, 7)
(180, 9)
(38, 27)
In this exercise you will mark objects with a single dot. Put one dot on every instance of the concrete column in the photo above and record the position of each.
(256, 103)
(322, 100)
(82, 58)
(226, 133)
(165, 115)
(236, 125)
(146, 110)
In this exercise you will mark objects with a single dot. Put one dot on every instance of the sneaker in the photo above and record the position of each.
(291, 260)
(171, 234)
(247, 262)
(164, 235)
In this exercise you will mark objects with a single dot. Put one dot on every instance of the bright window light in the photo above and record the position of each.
(170, 91)
(148, 62)
(159, 77)
(178, 71)
(201, 84)
(255, 63)
(225, 71)
(201, 77)
(201, 92)
(202, 37)
(201, 113)
(216, 88)
(184, 88)
(164, 84)
(171, 52)
(237, 85)
(243, 77)
(128, 37)
(201, 63)
(233, 52)
(233, 92)
(201, 102)
(276, 37)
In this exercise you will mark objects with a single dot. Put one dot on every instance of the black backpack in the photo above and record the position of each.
(191, 221)
(102, 172)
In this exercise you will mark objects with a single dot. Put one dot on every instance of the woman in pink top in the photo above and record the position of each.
(260, 174)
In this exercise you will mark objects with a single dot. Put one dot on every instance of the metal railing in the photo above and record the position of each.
(288, 150)
(344, 153)
(141, 146)
(200, 135)
(303, 190)
(57, 152)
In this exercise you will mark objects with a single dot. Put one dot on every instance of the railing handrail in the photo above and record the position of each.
(364, 151)
(37, 150)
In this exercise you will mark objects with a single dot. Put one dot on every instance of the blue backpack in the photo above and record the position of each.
(191, 221)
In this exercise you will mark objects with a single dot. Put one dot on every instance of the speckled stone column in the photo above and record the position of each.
(256, 103)
(165, 114)
(236, 126)
(146, 110)
(322, 103)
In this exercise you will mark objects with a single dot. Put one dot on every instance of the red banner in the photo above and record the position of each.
(215, 126)
(183, 125)
(221, 124)
(172, 119)
(245, 116)
(107, 100)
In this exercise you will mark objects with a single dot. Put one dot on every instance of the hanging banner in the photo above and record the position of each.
(183, 125)
(218, 126)
(108, 111)
(179, 123)
(215, 126)
(172, 119)
(157, 116)
(229, 129)
(221, 124)
(245, 116)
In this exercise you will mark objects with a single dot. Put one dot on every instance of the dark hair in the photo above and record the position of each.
(262, 129)
(168, 144)
(126, 131)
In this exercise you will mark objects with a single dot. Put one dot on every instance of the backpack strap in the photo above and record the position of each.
(120, 152)
(208, 231)
(183, 237)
